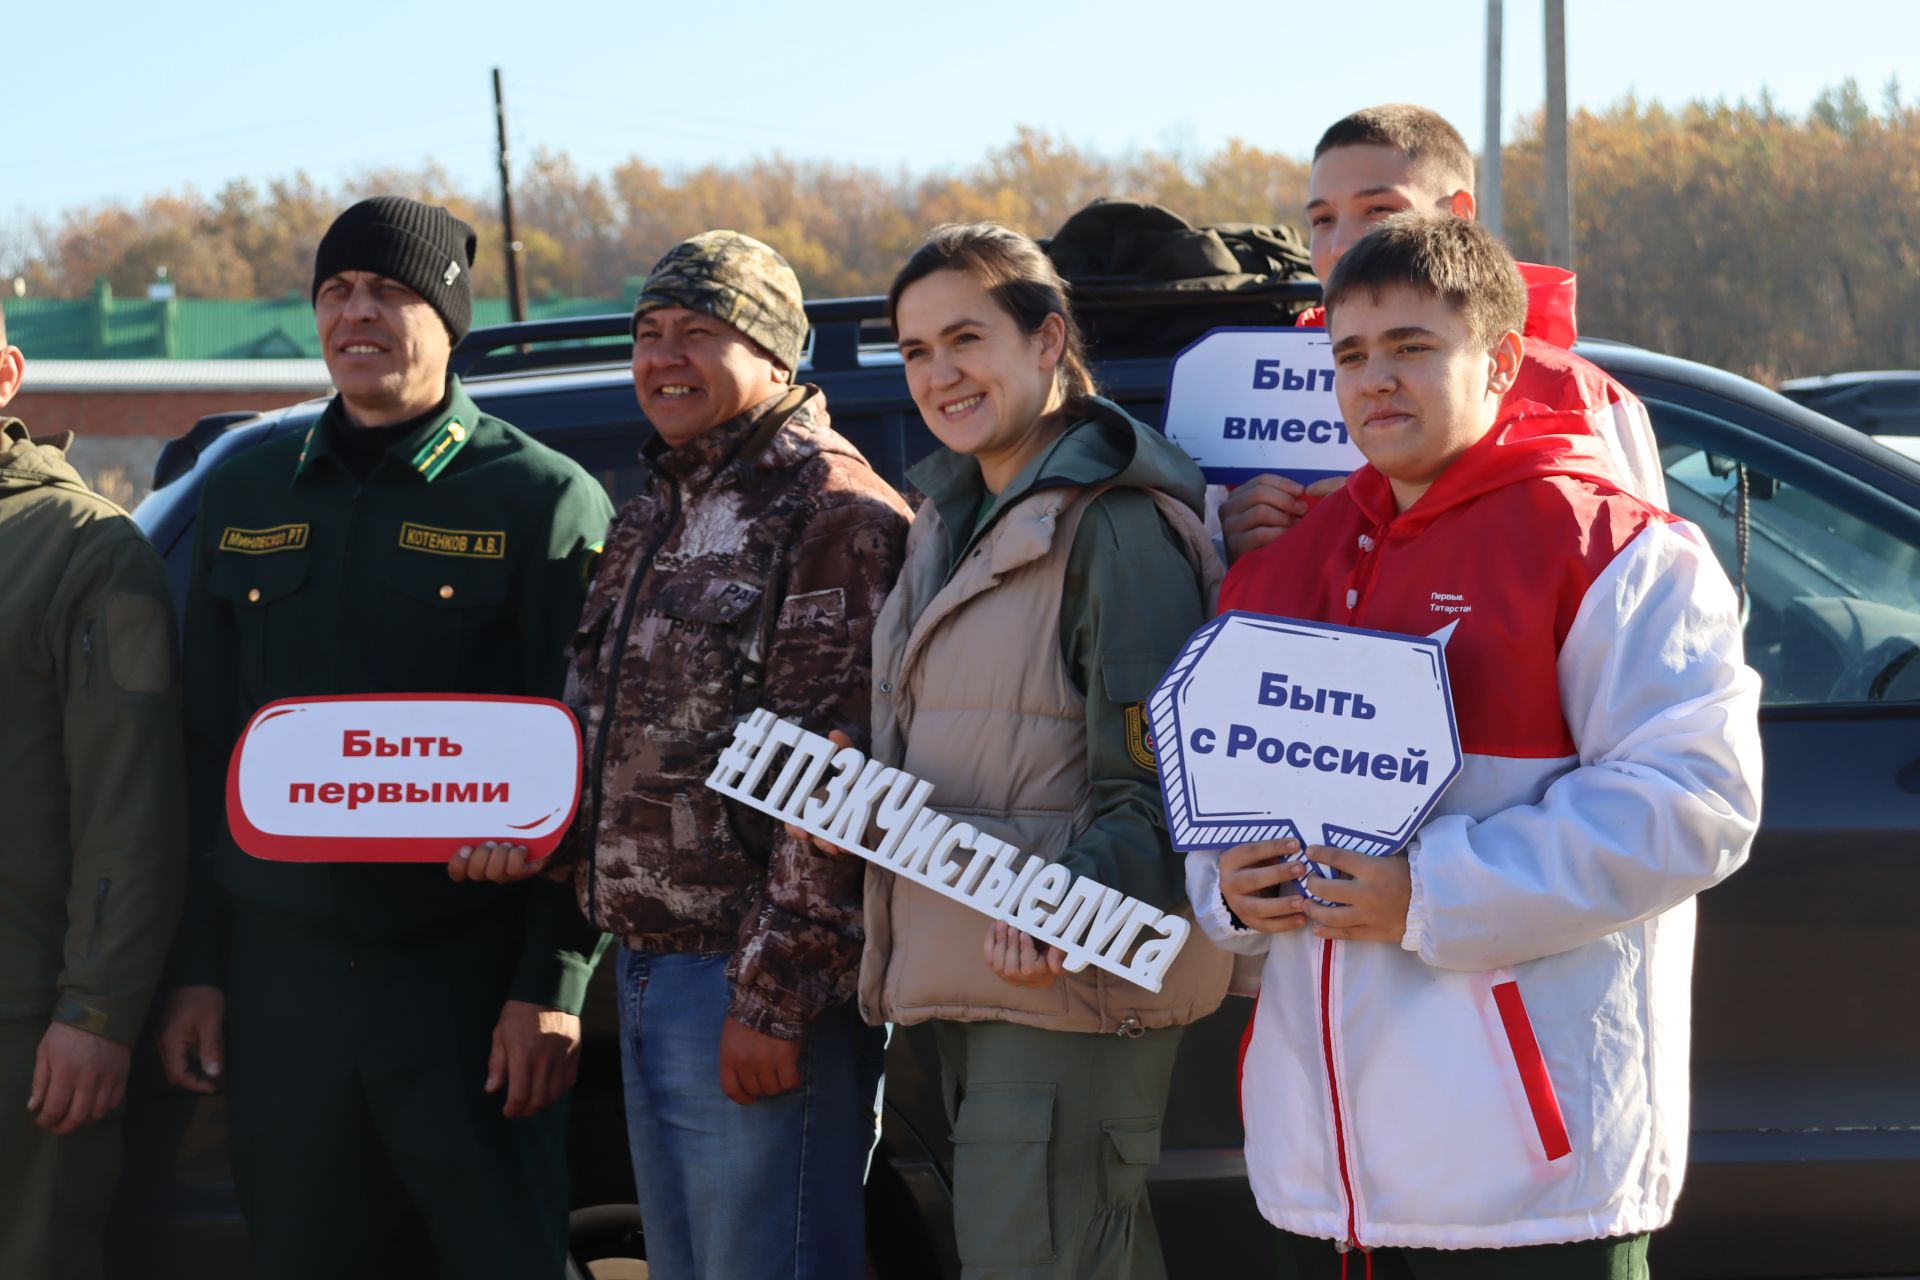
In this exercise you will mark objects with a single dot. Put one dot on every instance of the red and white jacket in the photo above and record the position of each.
(1553, 377)
(1515, 1071)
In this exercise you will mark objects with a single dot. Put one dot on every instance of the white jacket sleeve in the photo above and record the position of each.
(1663, 801)
(1623, 423)
(1210, 909)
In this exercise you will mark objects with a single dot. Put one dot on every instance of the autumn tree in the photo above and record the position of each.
(1737, 234)
(1741, 237)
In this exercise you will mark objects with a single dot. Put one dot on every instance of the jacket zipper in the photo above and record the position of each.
(1333, 1088)
(611, 697)
(1358, 581)
(86, 655)
(1360, 577)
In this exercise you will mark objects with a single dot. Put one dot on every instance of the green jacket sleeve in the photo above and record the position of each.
(126, 793)
(559, 948)
(210, 669)
(1129, 602)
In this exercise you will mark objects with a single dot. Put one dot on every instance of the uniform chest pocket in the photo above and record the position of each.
(273, 617)
(696, 643)
(453, 626)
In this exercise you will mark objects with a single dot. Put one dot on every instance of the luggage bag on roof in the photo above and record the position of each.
(1146, 282)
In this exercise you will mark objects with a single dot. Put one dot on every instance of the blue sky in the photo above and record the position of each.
(116, 101)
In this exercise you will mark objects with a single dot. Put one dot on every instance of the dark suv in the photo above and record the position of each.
(1805, 1157)
(1881, 403)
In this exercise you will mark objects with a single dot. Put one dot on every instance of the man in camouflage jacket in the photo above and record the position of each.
(746, 574)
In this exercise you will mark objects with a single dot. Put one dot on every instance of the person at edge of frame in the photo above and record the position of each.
(1377, 162)
(1471, 1060)
(395, 1049)
(746, 574)
(96, 839)
(1056, 568)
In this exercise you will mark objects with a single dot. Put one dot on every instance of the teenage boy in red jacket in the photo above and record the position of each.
(1472, 1060)
(1379, 162)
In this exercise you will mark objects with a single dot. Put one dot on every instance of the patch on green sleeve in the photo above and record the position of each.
(1140, 738)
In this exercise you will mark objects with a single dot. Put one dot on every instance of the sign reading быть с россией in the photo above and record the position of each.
(1270, 728)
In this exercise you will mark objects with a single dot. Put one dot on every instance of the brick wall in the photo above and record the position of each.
(161, 415)
(118, 435)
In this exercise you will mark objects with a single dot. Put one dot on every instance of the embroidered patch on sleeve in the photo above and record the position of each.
(476, 544)
(1140, 738)
(260, 542)
(824, 610)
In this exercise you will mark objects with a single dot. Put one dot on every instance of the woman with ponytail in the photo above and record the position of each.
(1054, 571)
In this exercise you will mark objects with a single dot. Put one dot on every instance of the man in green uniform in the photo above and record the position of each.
(359, 1014)
(93, 855)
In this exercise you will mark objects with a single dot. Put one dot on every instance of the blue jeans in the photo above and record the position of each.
(742, 1193)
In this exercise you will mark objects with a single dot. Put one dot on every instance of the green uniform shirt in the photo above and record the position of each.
(457, 567)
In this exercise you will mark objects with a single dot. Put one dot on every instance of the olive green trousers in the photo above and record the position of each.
(1053, 1134)
(55, 1189)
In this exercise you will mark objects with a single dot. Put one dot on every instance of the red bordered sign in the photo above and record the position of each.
(402, 777)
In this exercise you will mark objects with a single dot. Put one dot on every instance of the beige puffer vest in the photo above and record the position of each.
(972, 694)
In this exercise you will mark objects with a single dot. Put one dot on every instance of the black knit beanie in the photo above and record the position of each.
(421, 245)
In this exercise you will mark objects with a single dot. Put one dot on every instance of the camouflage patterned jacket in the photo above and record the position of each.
(748, 574)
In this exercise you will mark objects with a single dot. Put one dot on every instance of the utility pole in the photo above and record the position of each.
(1489, 202)
(1558, 205)
(516, 286)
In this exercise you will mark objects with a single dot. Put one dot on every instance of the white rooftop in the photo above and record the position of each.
(177, 375)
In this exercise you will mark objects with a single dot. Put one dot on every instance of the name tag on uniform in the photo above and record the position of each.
(478, 544)
(260, 542)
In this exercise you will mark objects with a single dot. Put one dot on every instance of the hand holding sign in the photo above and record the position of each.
(1367, 902)
(1258, 879)
(491, 862)
(1261, 509)
(1018, 961)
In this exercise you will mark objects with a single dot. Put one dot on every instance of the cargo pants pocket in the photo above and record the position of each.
(1002, 1214)
(1129, 1151)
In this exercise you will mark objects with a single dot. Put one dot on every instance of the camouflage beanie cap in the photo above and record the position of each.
(736, 280)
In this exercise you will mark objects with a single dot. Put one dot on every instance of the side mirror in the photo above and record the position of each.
(180, 453)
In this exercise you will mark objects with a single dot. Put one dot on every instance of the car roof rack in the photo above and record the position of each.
(838, 328)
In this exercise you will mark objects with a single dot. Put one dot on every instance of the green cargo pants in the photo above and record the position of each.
(1053, 1134)
(54, 1189)
(1302, 1258)
(362, 1136)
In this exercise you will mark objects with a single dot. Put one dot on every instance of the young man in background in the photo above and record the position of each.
(1388, 159)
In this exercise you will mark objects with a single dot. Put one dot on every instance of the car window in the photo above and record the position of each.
(1832, 597)
(612, 459)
